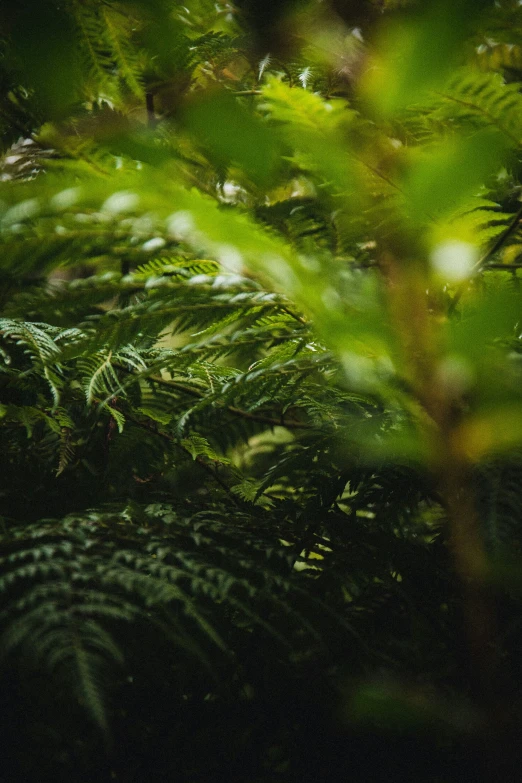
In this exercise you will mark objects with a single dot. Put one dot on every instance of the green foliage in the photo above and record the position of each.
(260, 417)
(71, 587)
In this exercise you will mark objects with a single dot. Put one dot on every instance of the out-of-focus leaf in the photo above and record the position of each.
(400, 708)
(490, 432)
(43, 37)
(417, 52)
(443, 177)
(231, 135)
(491, 318)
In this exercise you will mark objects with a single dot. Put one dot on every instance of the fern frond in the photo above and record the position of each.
(126, 58)
(484, 99)
(69, 587)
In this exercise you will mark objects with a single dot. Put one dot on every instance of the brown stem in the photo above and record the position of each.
(422, 352)
(471, 565)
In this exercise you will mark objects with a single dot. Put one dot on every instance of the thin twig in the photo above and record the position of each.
(503, 267)
(293, 315)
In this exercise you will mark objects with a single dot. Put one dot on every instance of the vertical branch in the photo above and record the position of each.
(422, 349)
(471, 566)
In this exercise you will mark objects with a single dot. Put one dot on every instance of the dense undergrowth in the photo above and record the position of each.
(260, 366)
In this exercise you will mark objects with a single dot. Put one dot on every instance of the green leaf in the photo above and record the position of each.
(417, 52)
(231, 135)
(444, 177)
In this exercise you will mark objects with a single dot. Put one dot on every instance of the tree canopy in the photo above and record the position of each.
(260, 390)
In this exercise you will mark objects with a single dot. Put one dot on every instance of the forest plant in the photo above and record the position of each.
(260, 413)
